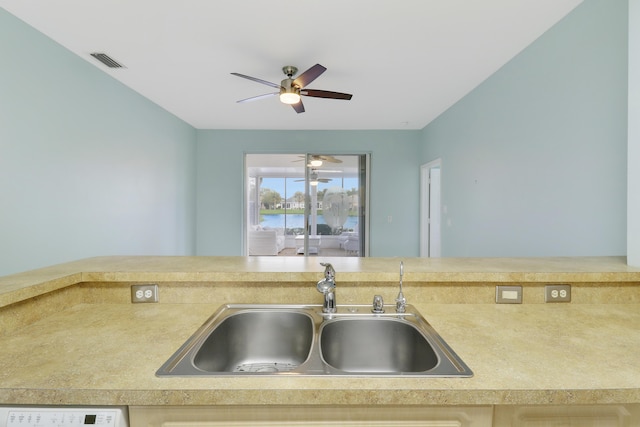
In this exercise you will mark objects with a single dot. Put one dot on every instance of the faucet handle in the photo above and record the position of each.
(329, 271)
(378, 304)
(328, 283)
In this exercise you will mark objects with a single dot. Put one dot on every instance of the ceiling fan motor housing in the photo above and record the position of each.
(289, 91)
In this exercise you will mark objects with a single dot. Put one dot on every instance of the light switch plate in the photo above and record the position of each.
(509, 294)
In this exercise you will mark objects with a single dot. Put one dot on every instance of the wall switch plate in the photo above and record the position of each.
(144, 293)
(557, 293)
(509, 294)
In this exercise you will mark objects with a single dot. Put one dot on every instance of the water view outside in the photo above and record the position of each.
(297, 221)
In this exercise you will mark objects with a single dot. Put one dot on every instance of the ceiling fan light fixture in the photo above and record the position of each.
(313, 179)
(289, 93)
(315, 163)
(289, 97)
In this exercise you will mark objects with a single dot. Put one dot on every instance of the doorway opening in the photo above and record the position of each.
(306, 204)
(430, 209)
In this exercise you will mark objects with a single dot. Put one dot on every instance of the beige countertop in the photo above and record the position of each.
(354, 270)
(97, 348)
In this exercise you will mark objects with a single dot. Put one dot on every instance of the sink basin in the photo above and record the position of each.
(377, 345)
(263, 339)
(257, 341)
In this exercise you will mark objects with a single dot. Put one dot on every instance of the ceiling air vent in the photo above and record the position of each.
(107, 60)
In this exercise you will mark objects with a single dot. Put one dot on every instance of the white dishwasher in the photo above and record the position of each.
(63, 416)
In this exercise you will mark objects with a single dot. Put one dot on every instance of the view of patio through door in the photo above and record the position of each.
(305, 204)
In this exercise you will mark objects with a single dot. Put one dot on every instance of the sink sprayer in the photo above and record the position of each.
(401, 301)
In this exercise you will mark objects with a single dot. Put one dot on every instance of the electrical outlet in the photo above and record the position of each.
(144, 293)
(508, 294)
(557, 293)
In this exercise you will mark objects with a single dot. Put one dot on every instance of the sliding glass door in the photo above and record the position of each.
(306, 204)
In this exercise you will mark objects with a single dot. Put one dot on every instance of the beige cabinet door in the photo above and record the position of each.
(311, 416)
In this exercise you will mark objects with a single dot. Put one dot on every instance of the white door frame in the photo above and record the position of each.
(429, 241)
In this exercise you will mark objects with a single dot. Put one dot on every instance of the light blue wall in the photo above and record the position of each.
(394, 182)
(534, 159)
(87, 166)
(633, 152)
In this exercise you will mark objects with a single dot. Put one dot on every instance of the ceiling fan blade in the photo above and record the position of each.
(324, 180)
(310, 75)
(254, 98)
(330, 159)
(264, 82)
(325, 94)
(299, 107)
(303, 158)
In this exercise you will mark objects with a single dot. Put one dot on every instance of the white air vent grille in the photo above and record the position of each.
(107, 60)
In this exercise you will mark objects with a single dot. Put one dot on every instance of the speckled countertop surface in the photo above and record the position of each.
(107, 351)
(354, 270)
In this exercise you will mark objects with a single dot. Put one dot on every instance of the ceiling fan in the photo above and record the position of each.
(316, 160)
(291, 89)
(313, 178)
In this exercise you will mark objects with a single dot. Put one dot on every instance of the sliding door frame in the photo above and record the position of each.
(364, 179)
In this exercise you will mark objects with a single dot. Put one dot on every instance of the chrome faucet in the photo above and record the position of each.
(327, 287)
(401, 301)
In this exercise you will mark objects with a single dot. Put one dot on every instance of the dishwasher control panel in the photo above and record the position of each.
(62, 416)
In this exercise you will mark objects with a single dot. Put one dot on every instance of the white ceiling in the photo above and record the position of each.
(404, 61)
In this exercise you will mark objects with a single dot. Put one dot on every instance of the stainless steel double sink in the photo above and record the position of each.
(245, 340)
